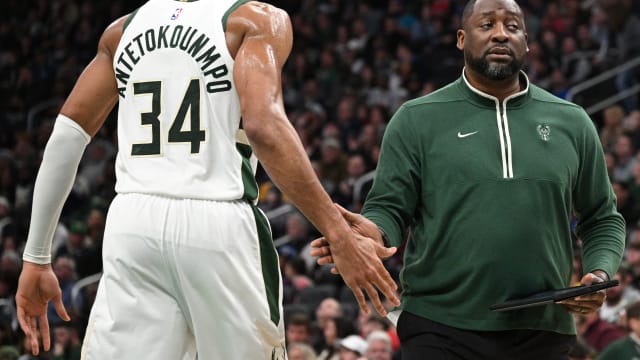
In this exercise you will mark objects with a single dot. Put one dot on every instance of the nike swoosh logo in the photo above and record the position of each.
(461, 135)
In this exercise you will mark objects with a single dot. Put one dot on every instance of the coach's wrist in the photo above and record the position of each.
(600, 275)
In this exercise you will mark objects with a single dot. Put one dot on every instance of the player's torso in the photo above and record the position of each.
(178, 108)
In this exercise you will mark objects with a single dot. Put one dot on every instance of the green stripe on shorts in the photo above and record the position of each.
(269, 262)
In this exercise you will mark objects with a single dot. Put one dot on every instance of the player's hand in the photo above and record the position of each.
(589, 303)
(362, 226)
(320, 248)
(37, 286)
(358, 260)
(360, 266)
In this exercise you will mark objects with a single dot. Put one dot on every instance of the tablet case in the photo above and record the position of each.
(551, 296)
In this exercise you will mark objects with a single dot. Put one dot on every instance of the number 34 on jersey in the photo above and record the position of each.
(190, 105)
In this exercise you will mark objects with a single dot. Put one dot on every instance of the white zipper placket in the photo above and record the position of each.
(503, 132)
(503, 149)
(503, 127)
(507, 136)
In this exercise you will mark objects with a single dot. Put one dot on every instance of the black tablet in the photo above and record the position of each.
(551, 296)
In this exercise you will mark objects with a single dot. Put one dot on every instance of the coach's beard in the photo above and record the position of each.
(493, 70)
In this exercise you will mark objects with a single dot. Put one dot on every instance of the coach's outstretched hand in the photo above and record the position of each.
(37, 286)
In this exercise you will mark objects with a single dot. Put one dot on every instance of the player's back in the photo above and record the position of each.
(179, 112)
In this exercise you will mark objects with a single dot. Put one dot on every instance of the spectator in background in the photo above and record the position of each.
(372, 323)
(581, 351)
(619, 297)
(355, 169)
(299, 329)
(625, 159)
(333, 164)
(95, 227)
(632, 127)
(634, 185)
(10, 264)
(612, 128)
(574, 64)
(6, 221)
(335, 329)
(271, 198)
(65, 269)
(632, 255)
(626, 203)
(298, 351)
(597, 333)
(378, 346)
(624, 30)
(66, 343)
(297, 234)
(329, 308)
(628, 347)
(8, 182)
(610, 163)
(9, 353)
(95, 161)
(351, 348)
(295, 274)
(558, 86)
(346, 118)
(78, 248)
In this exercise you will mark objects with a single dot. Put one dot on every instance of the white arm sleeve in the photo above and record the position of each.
(54, 181)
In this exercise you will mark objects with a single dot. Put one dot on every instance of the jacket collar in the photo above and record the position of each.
(485, 100)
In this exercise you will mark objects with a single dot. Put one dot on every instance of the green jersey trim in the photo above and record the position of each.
(233, 7)
(248, 179)
(129, 18)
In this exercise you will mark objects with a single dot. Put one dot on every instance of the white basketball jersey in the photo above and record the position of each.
(179, 111)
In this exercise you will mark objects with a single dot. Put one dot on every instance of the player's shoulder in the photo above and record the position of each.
(257, 12)
(261, 21)
(111, 36)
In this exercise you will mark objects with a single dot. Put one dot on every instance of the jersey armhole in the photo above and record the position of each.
(231, 9)
(129, 18)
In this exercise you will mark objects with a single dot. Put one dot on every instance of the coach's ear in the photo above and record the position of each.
(460, 44)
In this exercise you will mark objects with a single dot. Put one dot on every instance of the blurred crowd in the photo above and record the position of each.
(353, 63)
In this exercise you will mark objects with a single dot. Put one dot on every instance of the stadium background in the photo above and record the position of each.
(353, 63)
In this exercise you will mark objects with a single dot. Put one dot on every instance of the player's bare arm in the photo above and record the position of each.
(84, 111)
(95, 92)
(260, 38)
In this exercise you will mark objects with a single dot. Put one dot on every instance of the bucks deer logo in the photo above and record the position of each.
(544, 131)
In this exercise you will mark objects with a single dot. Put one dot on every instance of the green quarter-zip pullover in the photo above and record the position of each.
(488, 190)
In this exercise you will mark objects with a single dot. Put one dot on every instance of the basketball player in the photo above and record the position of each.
(189, 264)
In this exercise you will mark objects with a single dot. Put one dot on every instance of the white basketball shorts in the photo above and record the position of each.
(185, 277)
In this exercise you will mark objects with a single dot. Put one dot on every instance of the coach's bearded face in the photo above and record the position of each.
(494, 70)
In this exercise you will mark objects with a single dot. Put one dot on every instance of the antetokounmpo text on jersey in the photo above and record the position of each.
(176, 37)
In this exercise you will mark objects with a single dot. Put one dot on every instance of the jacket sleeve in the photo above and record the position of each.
(600, 227)
(395, 193)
